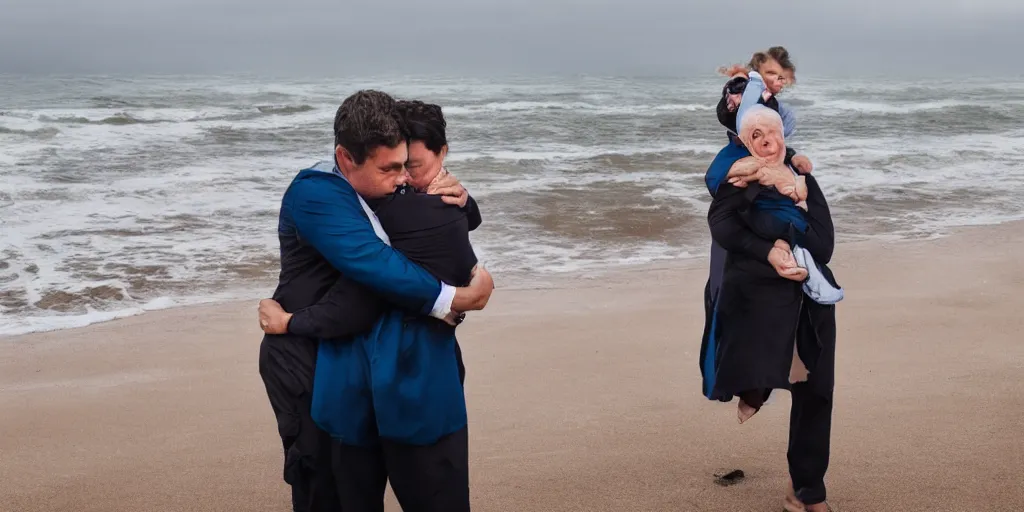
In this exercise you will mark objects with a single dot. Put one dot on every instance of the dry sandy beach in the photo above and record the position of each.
(583, 397)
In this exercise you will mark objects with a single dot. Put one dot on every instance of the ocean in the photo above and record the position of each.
(120, 195)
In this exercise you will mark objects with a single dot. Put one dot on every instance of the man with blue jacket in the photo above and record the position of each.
(326, 230)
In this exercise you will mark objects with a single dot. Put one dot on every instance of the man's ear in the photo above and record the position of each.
(444, 152)
(344, 158)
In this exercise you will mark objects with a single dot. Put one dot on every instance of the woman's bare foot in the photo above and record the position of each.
(744, 411)
(793, 504)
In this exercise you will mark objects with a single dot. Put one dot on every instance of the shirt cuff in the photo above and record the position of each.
(299, 327)
(443, 304)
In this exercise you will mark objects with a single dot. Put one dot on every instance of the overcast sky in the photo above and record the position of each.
(638, 37)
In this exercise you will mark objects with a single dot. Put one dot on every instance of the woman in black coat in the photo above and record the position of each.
(761, 315)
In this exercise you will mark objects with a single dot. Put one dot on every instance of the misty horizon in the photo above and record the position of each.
(557, 37)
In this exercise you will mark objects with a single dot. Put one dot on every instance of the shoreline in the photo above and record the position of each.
(552, 280)
(584, 397)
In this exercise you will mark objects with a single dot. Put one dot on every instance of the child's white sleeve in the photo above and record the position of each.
(751, 96)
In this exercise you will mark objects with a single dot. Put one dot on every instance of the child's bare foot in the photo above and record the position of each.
(744, 412)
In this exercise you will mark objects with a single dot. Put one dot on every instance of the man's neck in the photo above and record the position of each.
(438, 174)
(341, 172)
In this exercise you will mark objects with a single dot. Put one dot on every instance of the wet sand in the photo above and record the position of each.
(584, 396)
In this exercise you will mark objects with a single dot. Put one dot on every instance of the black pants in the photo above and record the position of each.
(310, 473)
(286, 366)
(432, 478)
(810, 419)
(810, 423)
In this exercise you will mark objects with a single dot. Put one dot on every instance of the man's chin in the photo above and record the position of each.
(370, 194)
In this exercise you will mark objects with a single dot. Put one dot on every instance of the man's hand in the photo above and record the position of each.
(273, 318)
(475, 296)
(802, 164)
(781, 258)
(450, 189)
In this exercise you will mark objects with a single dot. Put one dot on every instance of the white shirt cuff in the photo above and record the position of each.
(443, 304)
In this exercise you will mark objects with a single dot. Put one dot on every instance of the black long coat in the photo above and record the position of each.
(754, 315)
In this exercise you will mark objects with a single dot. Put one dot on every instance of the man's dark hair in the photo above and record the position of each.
(425, 122)
(367, 120)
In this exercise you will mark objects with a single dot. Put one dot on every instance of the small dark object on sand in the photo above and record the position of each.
(731, 478)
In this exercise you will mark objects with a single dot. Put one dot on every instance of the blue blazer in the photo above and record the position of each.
(400, 381)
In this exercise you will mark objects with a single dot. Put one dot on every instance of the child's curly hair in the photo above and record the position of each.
(778, 54)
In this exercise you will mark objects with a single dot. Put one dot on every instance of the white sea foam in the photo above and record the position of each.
(28, 324)
(178, 204)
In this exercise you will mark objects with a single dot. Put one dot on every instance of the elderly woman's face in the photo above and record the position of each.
(762, 135)
(766, 143)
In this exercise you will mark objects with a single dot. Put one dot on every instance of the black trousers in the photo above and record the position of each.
(810, 424)
(311, 456)
(810, 418)
(286, 366)
(310, 472)
(432, 478)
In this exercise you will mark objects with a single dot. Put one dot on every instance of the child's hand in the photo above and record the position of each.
(802, 164)
(801, 190)
(732, 101)
(734, 71)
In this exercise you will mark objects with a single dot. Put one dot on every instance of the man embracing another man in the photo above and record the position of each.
(360, 360)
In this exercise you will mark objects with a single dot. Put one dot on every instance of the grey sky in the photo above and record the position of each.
(657, 37)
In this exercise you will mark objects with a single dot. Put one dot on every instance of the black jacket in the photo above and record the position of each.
(750, 329)
(327, 305)
(429, 232)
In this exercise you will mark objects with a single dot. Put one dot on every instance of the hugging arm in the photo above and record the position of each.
(473, 214)
(751, 96)
(348, 308)
(327, 214)
(727, 226)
